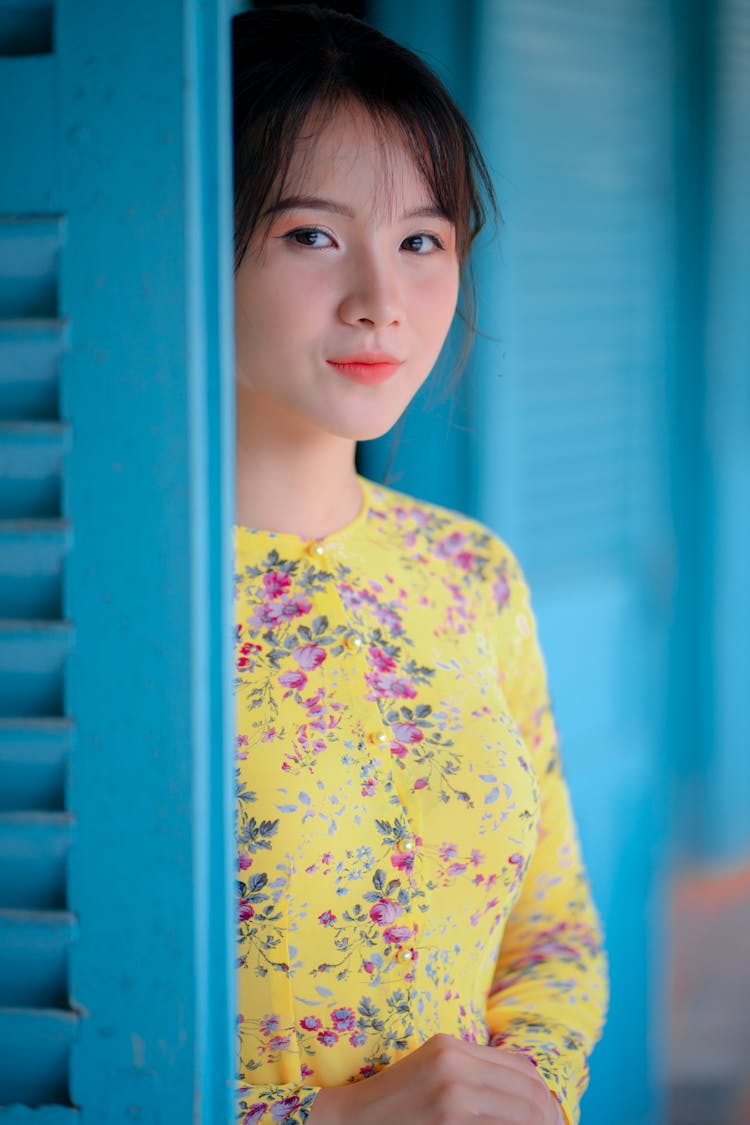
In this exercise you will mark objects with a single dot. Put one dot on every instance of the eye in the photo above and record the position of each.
(313, 237)
(422, 243)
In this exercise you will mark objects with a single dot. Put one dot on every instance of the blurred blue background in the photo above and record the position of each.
(603, 428)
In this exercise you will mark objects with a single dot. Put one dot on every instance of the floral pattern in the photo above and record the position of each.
(407, 860)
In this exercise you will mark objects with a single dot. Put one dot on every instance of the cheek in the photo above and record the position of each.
(436, 304)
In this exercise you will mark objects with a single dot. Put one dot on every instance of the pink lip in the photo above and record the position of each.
(366, 367)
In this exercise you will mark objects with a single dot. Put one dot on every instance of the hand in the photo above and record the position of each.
(444, 1082)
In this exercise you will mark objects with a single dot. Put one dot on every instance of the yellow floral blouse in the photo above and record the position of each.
(407, 859)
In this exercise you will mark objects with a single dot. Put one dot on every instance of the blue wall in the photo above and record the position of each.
(603, 430)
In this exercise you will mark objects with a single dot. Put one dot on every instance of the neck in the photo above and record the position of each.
(291, 480)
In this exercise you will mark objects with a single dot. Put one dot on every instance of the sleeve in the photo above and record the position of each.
(289, 1104)
(550, 990)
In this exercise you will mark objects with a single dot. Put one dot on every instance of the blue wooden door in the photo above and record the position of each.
(115, 568)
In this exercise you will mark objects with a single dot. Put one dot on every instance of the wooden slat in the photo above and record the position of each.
(34, 947)
(33, 860)
(35, 1048)
(31, 465)
(29, 255)
(40, 1115)
(32, 553)
(32, 659)
(26, 29)
(33, 764)
(30, 353)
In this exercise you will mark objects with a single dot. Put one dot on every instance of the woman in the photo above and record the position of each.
(416, 937)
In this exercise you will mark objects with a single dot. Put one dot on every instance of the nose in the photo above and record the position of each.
(372, 295)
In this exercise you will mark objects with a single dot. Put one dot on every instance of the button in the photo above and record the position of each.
(379, 737)
(405, 844)
(318, 549)
(405, 954)
(357, 642)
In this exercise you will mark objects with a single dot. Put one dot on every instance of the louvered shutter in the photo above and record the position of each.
(115, 567)
(726, 663)
(564, 408)
(575, 104)
(37, 927)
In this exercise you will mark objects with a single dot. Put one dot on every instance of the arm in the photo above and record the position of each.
(549, 993)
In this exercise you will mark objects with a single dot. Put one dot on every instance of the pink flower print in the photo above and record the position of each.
(327, 857)
(295, 681)
(244, 859)
(395, 935)
(255, 1113)
(343, 1019)
(420, 783)
(368, 789)
(389, 619)
(280, 1111)
(266, 616)
(268, 1025)
(327, 1037)
(368, 966)
(456, 868)
(402, 861)
(501, 590)
(268, 735)
(327, 918)
(385, 685)
(295, 607)
(518, 861)
(385, 911)
(310, 1023)
(464, 559)
(381, 660)
(476, 857)
(309, 656)
(446, 547)
(398, 750)
(279, 1043)
(408, 733)
(246, 910)
(275, 583)
(448, 851)
(358, 1039)
(307, 1071)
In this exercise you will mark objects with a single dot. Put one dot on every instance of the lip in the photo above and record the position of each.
(369, 368)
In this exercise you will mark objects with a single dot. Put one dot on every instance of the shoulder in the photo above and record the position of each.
(450, 539)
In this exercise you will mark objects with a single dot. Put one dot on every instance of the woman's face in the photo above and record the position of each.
(345, 297)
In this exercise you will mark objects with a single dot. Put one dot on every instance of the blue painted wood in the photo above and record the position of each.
(31, 142)
(40, 1115)
(35, 1047)
(32, 553)
(30, 352)
(726, 666)
(31, 468)
(34, 850)
(34, 949)
(147, 387)
(33, 764)
(25, 29)
(573, 108)
(32, 666)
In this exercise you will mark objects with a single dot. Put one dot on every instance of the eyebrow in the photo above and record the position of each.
(315, 203)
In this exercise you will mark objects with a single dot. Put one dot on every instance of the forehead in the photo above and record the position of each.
(348, 152)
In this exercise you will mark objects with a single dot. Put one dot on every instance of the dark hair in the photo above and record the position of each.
(291, 61)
